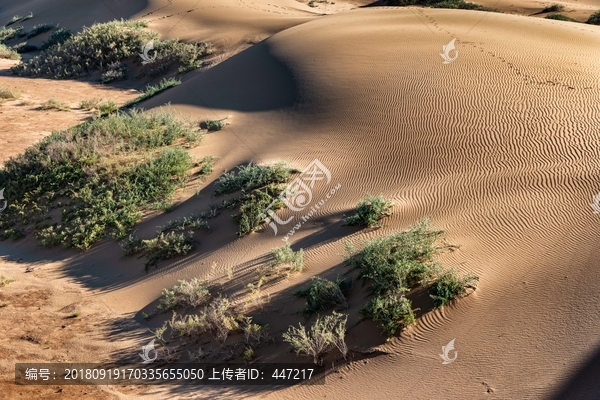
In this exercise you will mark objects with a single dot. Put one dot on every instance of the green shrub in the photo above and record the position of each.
(166, 246)
(57, 37)
(450, 285)
(8, 53)
(13, 20)
(594, 19)
(107, 108)
(214, 125)
(253, 176)
(14, 234)
(194, 221)
(249, 354)
(560, 17)
(253, 205)
(553, 8)
(150, 91)
(54, 104)
(8, 94)
(11, 33)
(39, 29)
(398, 261)
(323, 294)
(255, 331)
(326, 333)
(370, 211)
(132, 245)
(285, 261)
(392, 310)
(107, 169)
(24, 48)
(192, 293)
(169, 53)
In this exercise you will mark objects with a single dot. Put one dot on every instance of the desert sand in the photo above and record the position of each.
(499, 148)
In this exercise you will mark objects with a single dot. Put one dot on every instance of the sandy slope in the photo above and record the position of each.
(499, 148)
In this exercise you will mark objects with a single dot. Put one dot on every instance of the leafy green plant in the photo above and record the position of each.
(253, 176)
(325, 333)
(115, 71)
(253, 206)
(370, 211)
(192, 293)
(215, 125)
(323, 294)
(13, 20)
(594, 19)
(392, 310)
(400, 260)
(107, 108)
(285, 261)
(450, 285)
(54, 104)
(249, 354)
(166, 246)
(254, 331)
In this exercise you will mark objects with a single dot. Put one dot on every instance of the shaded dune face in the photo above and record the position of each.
(253, 80)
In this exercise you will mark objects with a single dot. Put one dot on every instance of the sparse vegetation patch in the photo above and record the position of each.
(104, 47)
(323, 294)
(399, 263)
(99, 176)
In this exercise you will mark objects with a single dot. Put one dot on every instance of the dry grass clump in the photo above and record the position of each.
(54, 104)
(326, 332)
(8, 93)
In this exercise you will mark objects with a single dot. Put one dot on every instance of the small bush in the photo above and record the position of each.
(192, 293)
(452, 4)
(253, 176)
(398, 261)
(214, 125)
(11, 33)
(560, 17)
(39, 29)
(594, 19)
(107, 108)
(553, 8)
(13, 20)
(392, 310)
(370, 211)
(194, 221)
(285, 261)
(166, 246)
(249, 354)
(54, 104)
(89, 104)
(150, 91)
(8, 53)
(14, 234)
(325, 333)
(8, 94)
(5, 281)
(24, 48)
(253, 205)
(57, 37)
(132, 245)
(323, 294)
(449, 286)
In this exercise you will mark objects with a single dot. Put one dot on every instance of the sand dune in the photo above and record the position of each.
(500, 148)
